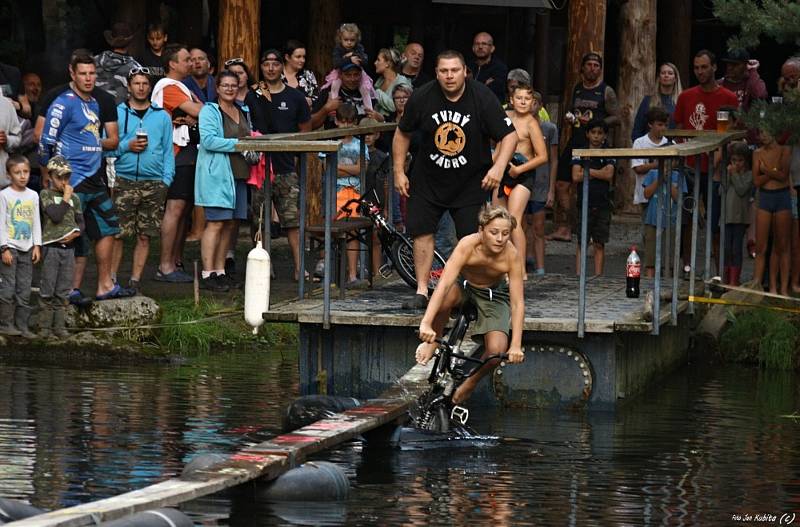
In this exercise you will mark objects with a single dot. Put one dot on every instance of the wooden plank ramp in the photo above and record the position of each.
(266, 460)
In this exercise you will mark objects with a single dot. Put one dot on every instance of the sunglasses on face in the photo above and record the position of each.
(138, 70)
(233, 62)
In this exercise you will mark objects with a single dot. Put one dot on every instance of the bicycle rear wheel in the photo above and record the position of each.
(403, 259)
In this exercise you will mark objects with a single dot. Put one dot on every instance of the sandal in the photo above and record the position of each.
(116, 292)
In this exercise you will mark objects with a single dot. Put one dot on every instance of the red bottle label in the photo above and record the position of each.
(633, 270)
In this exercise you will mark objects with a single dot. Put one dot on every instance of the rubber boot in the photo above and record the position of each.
(7, 320)
(736, 273)
(59, 323)
(22, 316)
(45, 319)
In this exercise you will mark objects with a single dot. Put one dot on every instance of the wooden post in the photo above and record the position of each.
(587, 27)
(239, 32)
(675, 36)
(636, 79)
(541, 64)
(326, 15)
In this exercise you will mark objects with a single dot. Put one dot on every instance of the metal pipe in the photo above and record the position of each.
(331, 162)
(669, 206)
(709, 215)
(695, 214)
(584, 244)
(362, 179)
(266, 235)
(723, 188)
(301, 277)
(661, 192)
(676, 259)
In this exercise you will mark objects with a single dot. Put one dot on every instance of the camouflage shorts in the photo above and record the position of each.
(285, 196)
(140, 206)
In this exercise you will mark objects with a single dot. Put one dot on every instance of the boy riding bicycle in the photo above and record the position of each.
(480, 263)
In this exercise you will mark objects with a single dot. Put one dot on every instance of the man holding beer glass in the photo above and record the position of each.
(706, 107)
(145, 167)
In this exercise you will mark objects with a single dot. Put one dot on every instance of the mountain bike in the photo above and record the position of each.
(398, 248)
(434, 410)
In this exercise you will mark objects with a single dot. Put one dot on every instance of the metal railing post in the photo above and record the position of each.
(331, 163)
(709, 215)
(695, 218)
(661, 192)
(669, 206)
(362, 176)
(676, 259)
(723, 182)
(584, 245)
(301, 277)
(267, 223)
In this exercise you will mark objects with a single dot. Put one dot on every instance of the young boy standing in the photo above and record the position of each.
(62, 224)
(738, 196)
(601, 173)
(20, 243)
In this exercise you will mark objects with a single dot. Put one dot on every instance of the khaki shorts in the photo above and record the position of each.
(286, 197)
(140, 206)
(493, 305)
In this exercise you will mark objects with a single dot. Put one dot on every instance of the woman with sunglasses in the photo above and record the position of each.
(238, 67)
(220, 179)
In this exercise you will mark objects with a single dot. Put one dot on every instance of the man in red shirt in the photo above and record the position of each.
(697, 109)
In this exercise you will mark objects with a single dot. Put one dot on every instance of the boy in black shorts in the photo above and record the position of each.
(601, 173)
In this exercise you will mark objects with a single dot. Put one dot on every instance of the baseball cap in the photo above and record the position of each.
(592, 56)
(349, 66)
(271, 54)
(737, 55)
(59, 166)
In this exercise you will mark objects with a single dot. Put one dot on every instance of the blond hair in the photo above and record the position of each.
(489, 213)
(348, 28)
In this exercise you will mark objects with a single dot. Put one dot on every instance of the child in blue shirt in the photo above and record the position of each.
(651, 193)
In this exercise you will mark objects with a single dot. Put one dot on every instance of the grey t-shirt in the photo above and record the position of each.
(541, 183)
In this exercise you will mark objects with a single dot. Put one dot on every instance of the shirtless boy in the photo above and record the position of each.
(480, 263)
(517, 184)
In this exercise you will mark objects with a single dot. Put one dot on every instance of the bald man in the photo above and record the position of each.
(486, 68)
(413, 56)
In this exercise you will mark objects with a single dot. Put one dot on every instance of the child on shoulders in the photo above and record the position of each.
(349, 50)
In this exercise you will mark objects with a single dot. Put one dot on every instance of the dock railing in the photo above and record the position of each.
(699, 143)
(325, 142)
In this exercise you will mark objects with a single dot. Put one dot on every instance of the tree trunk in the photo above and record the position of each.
(636, 79)
(675, 36)
(239, 32)
(325, 18)
(541, 65)
(586, 26)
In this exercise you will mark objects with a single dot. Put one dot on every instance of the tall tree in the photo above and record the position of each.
(636, 79)
(239, 32)
(675, 35)
(326, 15)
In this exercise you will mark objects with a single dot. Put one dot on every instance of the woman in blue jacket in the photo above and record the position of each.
(220, 178)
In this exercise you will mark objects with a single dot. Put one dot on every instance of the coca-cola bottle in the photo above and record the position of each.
(633, 270)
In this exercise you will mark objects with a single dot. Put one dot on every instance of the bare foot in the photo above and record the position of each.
(425, 352)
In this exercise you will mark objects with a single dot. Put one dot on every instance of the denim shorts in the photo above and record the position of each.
(774, 200)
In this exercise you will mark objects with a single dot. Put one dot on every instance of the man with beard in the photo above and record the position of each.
(324, 108)
(487, 68)
(413, 56)
(201, 82)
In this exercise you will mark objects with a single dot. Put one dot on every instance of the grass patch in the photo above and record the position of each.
(224, 327)
(768, 338)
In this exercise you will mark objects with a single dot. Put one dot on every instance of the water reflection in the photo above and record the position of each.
(698, 447)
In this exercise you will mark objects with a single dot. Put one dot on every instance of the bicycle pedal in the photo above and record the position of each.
(459, 414)
(385, 270)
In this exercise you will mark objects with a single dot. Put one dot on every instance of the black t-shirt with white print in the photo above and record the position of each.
(454, 153)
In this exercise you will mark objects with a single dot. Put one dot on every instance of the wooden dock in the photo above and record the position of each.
(551, 305)
(266, 460)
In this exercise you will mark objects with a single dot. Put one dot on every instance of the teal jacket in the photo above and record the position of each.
(158, 160)
(213, 178)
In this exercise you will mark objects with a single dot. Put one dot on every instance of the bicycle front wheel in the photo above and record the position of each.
(403, 259)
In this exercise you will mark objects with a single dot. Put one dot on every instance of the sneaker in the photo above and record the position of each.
(230, 267)
(319, 270)
(230, 281)
(418, 302)
(356, 283)
(214, 284)
(175, 277)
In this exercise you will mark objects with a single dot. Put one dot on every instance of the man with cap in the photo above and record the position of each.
(114, 65)
(278, 108)
(325, 106)
(741, 77)
(487, 68)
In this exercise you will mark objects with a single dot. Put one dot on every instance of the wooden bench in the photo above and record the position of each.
(343, 231)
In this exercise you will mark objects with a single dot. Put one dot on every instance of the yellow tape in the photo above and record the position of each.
(722, 301)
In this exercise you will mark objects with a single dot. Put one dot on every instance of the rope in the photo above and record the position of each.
(721, 301)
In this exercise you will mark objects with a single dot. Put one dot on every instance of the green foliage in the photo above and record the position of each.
(226, 328)
(778, 19)
(761, 336)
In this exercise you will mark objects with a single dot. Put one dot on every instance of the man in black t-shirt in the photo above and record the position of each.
(278, 108)
(324, 108)
(456, 118)
(486, 68)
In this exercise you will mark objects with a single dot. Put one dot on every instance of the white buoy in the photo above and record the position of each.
(256, 286)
